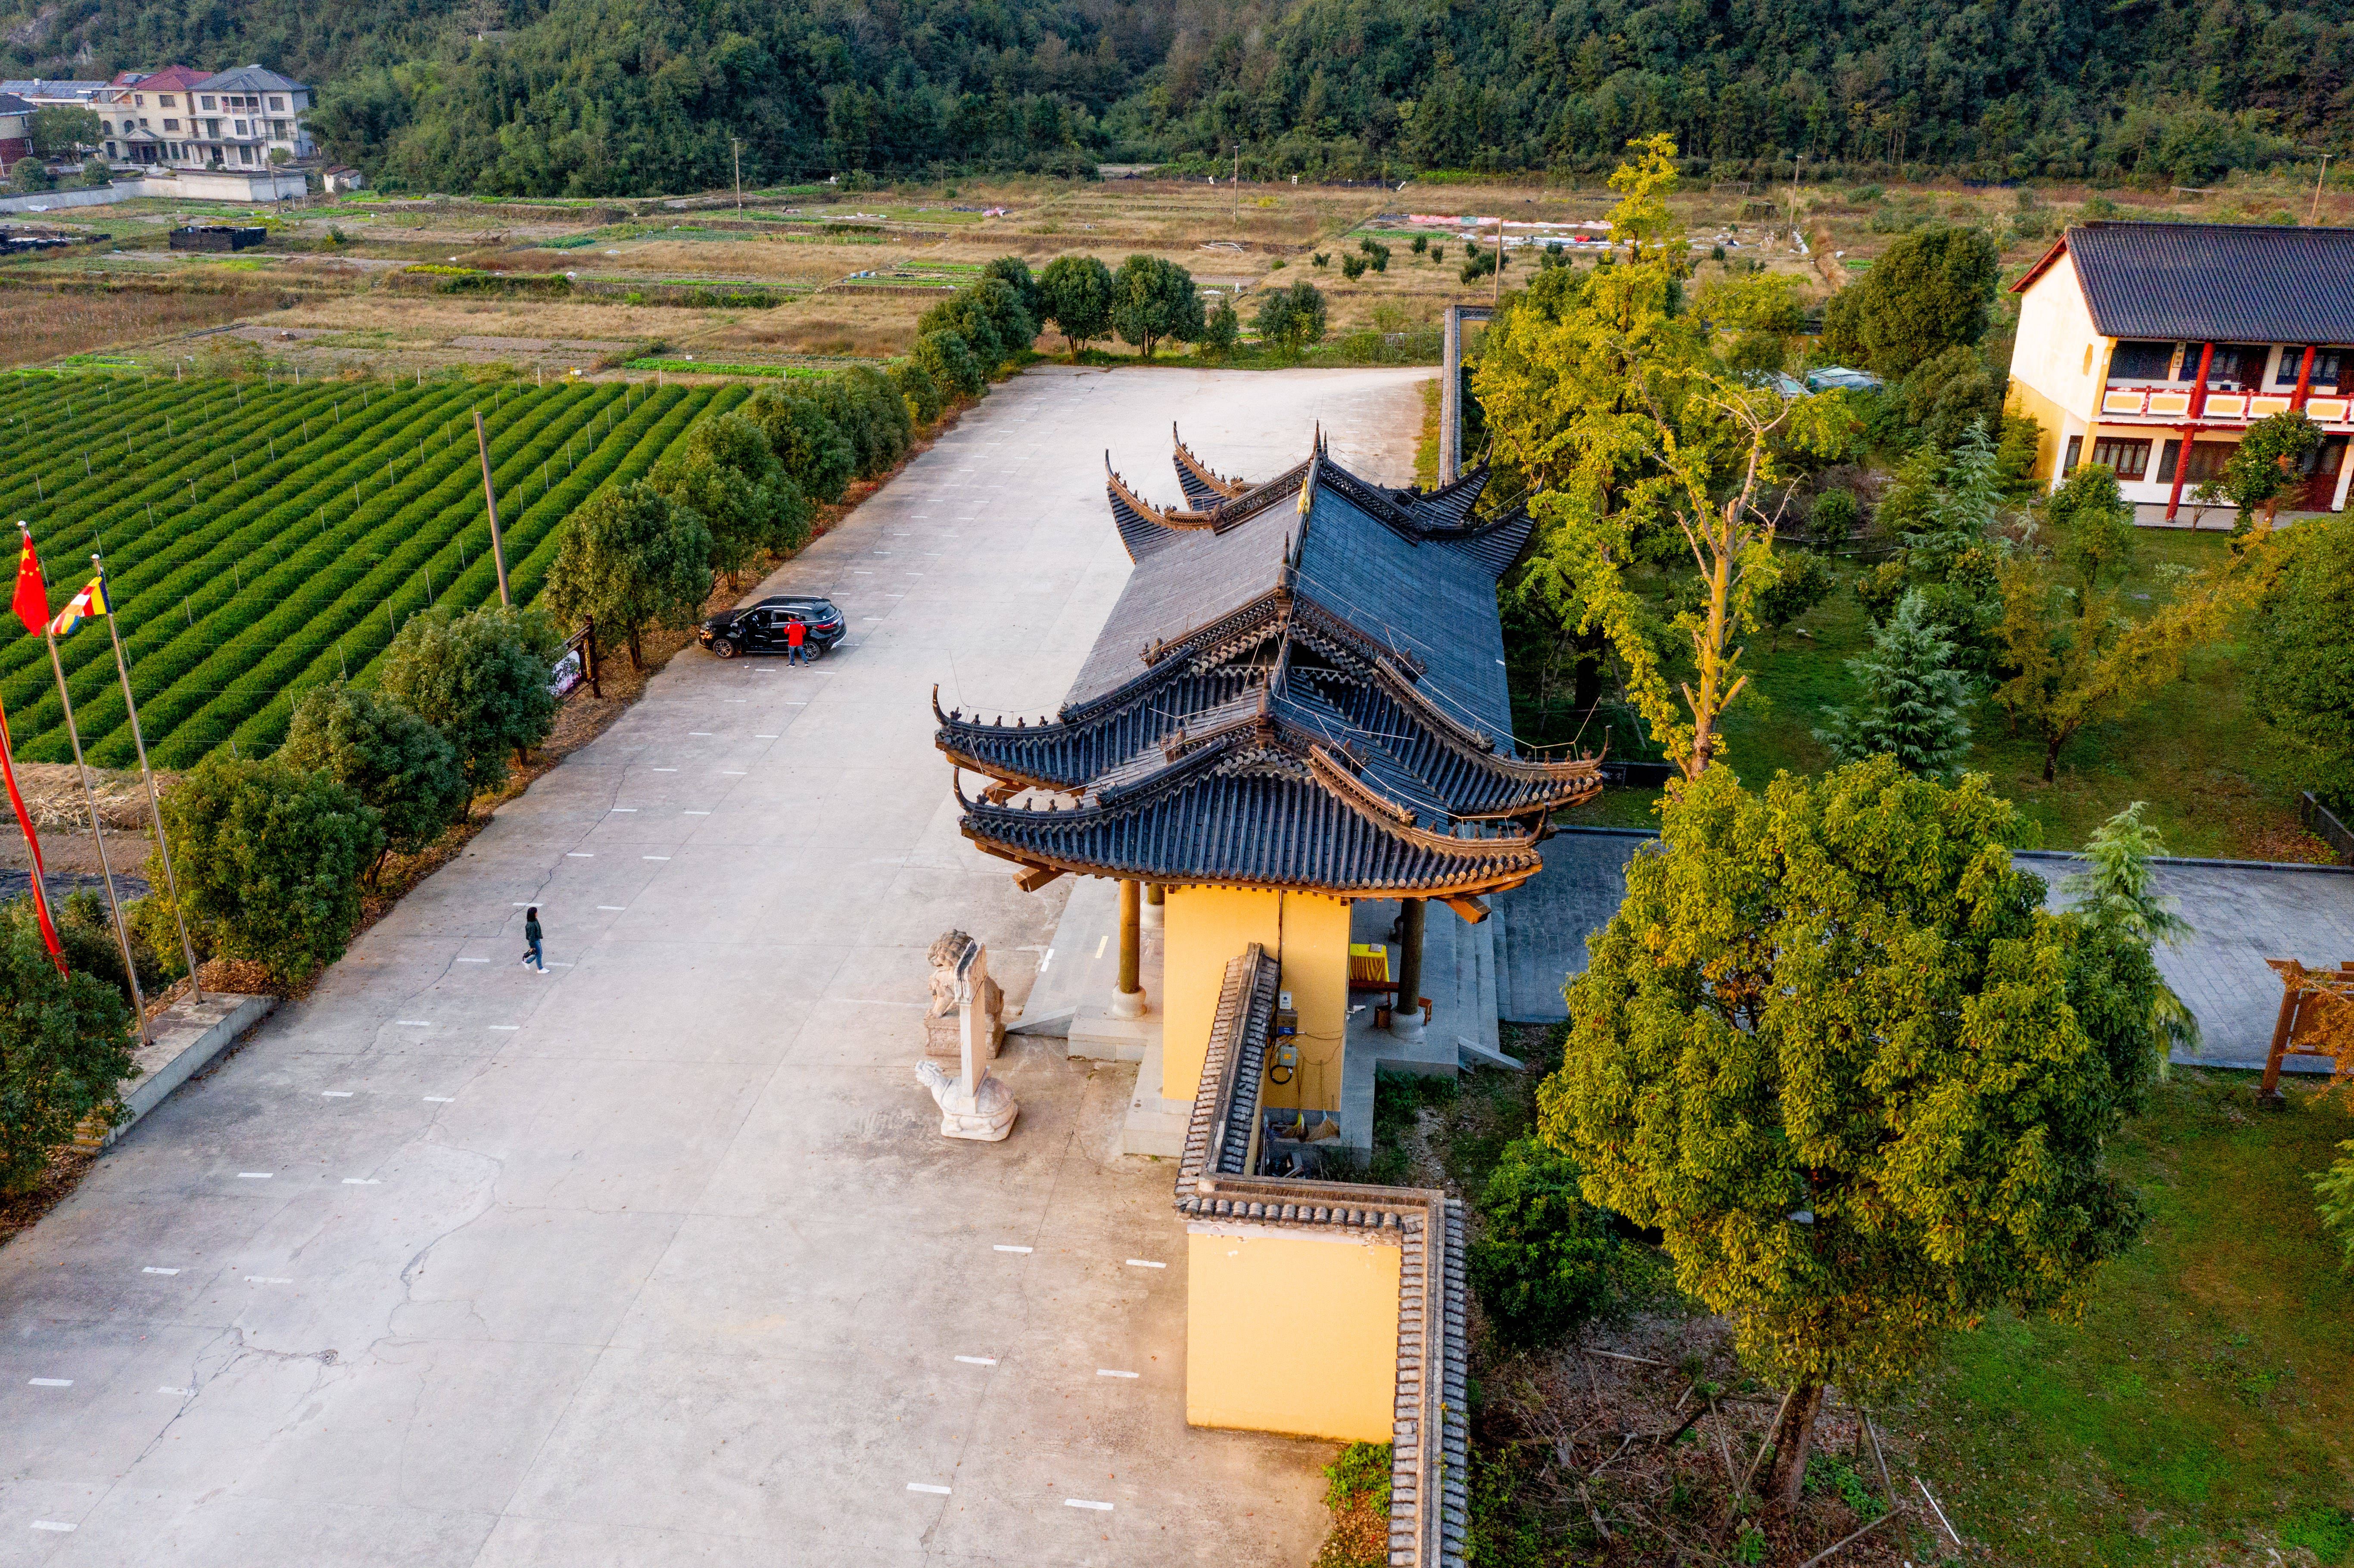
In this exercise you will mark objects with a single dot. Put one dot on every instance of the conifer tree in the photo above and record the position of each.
(1914, 700)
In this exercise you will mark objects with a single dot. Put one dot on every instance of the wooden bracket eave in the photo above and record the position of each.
(1472, 909)
(1031, 878)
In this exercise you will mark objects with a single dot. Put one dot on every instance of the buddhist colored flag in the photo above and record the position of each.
(32, 601)
(32, 842)
(91, 601)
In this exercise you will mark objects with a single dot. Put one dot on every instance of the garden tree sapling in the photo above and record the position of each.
(1834, 1047)
(632, 560)
(2304, 665)
(2074, 658)
(1540, 1263)
(1220, 330)
(397, 763)
(481, 677)
(1075, 295)
(269, 858)
(2118, 894)
(1803, 583)
(2094, 524)
(950, 361)
(64, 1048)
(1290, 319)
(1015, 274)
(2265, 467)
(1915, 705)
(916, 389)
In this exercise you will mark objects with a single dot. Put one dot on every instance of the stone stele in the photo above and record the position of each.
(974, 1104)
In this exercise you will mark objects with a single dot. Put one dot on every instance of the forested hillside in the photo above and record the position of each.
(612, 96)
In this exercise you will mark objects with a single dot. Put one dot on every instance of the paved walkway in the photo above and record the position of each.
(659, 1259)
(2240, 916)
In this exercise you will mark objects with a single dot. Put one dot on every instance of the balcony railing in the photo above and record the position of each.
(2172, 404)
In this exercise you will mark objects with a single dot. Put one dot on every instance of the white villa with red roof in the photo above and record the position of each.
(2151, 346)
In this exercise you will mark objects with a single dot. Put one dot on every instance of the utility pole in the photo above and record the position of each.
(736, 152)
(1500, 259)
(2314, 217)
(490, 505)
(1239, 187)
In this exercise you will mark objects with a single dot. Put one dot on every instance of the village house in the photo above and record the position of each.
(246, 120)
(16, 128)
(1291, 740)
(2150, 346)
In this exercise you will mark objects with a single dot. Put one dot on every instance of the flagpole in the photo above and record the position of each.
(155, 803)
(113, 900)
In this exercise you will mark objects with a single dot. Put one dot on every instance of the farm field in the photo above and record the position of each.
(260, 539)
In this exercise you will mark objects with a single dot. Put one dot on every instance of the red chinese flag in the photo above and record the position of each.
(32, 601)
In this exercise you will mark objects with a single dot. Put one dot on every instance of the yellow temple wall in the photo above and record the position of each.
(1205, 926)
(1291, 1333)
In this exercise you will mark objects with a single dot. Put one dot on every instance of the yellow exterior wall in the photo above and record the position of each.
(2025, 399)
(1203, 928)
(1295, 1335)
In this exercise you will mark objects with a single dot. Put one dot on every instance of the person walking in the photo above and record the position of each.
(533, 957)
(796, 640)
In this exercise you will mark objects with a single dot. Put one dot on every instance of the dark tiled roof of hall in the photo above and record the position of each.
(2213, 281)
(1302, 683)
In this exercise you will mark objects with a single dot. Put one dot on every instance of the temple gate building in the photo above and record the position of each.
(1296, 714)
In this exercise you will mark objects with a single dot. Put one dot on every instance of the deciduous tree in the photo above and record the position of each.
(481, 678)
(2265, 468)
(1932, 291)
(818, 458)
(1075, 295)
(726, 473)
(1154, 301)
(633, 560)
(399, 766)
(269, 858)
(1835, 1048)
(59, 130)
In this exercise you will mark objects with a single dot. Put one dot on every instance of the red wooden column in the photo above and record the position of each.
(2197, 407)
(2304, 380)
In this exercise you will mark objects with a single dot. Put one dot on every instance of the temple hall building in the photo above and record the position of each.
(2151, 346)
(1292, 740)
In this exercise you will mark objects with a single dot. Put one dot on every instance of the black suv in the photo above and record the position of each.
(763, 627)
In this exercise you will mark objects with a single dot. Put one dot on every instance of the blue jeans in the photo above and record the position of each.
(798, 653)
(537, 962)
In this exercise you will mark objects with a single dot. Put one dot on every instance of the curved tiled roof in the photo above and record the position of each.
(1252, 809)
(1306, 696)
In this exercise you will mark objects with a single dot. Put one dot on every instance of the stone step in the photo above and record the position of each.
(1153, 1125)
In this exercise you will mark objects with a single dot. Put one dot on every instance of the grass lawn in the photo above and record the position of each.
(2197, 1411)
(2193, 751)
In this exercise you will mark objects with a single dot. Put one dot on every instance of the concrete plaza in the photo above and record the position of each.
(658, 1259)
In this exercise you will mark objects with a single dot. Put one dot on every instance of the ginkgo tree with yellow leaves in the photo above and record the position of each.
(1608, 393)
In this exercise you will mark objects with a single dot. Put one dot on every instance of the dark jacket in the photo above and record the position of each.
(531, 930)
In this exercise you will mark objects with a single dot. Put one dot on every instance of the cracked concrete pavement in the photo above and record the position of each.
(658, 1259)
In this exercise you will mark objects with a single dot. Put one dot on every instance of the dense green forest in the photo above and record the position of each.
(596, 96)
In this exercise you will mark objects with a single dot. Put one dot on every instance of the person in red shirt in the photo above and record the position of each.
(796, 640)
